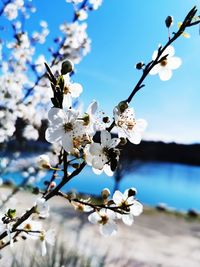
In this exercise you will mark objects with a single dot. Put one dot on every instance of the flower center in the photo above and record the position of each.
(27, 227)
(163, 63)
(68, 127)
(104, 219)
(66, 90)
(128, 124)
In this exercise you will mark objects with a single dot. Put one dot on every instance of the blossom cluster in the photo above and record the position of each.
(23, 83)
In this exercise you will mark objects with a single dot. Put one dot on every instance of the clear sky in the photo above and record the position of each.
(124, 32)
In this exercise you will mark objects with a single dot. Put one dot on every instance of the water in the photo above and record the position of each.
(174, 184)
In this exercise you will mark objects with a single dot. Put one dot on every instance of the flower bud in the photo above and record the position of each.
(169, 21)
(139, 65)
(75, 165)
(122, 106)
(43, 162)
(105, 193)
(123, 141)
(132, 192)
(52, 185)
(11, 213)
(106, 119)
(67, 67)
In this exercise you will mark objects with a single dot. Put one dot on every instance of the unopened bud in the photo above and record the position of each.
(122, 106)
(11, 213)
(36, 190)
(106, 119)
(139, 65)
(105, 193)
(169, 21)
(52, 185)
(123, 141)
(75, 165)
(67, 67)
(43, 162)
(132, 192)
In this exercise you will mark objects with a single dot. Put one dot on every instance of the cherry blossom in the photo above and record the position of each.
(104, 152)
(129, 204)
(105, 218)
(165, 67)
(127, 126)
(66, 128)
(47, 237)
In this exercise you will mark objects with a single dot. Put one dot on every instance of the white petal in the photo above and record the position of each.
(50, 237)
(92, 108)
(67, 101)
(174, 63)
(94, 217)
(44, 248)
(108, 229)
(53, 134)
(155, 69)
(56, 115)
(97, 171)
(136, 209)
(118, 197)
(105, 138)
(165, 74)
(95, 149)
(98, 162)
(67, 143)
(141, 125)
(170, 51)
(114, 142)
(128, 219)
(107, 170)
(134, 137)
(75, 89)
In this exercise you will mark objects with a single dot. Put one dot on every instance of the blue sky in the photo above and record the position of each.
(124, 32)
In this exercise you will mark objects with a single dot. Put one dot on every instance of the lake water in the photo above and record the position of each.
(174, 184)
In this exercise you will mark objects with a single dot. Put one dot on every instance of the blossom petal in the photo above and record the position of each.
(94, 217)
(174, 62)
(165, 74)
(155, 69)
(128, 219)
(105, 138)
(53, 135)
(67, 101)
(56, 115)
(97, 171)
(141, 125)
(108, 229)
(92, 108)
(107, 170)
(118, 197)
(95, 149)
(114, 142)
(67, 143)
(98, 162)
(75, 89)
(136, 209)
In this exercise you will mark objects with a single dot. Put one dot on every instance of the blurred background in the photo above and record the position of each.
(165, 166)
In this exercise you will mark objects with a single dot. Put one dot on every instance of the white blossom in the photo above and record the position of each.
(165, 67)
(132, 206)
(71, 90)
(101, 151)
(42, 207)
(127, 126)
(47, 237)
(105, 218)
(67, 129)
